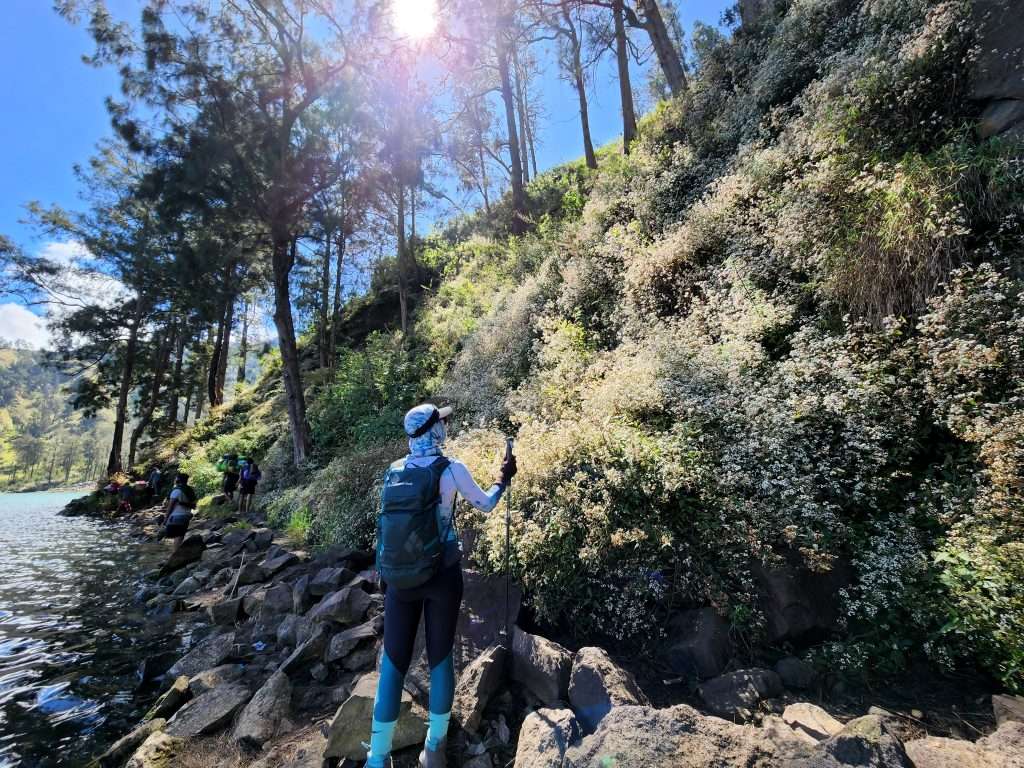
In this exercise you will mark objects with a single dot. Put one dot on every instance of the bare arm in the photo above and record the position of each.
(467, 488)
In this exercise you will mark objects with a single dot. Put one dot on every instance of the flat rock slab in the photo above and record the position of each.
(209, 679)
(350, 727)
(262, 718)
(273, 565)
(598, 684)
(812, 720)
(206, 655)
(209, 713)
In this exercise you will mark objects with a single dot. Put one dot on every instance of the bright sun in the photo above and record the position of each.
(416, 19)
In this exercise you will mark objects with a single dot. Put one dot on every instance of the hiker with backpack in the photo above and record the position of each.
(247, 485)
(229, 466)
(179, 508)
(419, 558)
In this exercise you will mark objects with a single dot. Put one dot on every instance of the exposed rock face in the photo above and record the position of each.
(160, 750)
(936, 752)
(998, 77)
(208, 654)
(225, 612)
(343, 643)
(1008, 708)
(124, 747)
(262, 717)
(866, 741)
(541, 665)
(795, 673)
(171, 701)
(272, 601)
(329, 580)
(209, 713)
(351, 724)
(738, 693)
(699, 645)
(544, 738)
(1008, 738)
(796, 601)
(308, 651)
(346, 606)
(597, 684)
(274, 565)
(812, 720)
(678, 737)
(190, 550)
(477, 684)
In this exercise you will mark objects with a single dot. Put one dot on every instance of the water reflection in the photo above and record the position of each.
(70, 635)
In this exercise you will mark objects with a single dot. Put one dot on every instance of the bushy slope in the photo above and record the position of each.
(788, 327)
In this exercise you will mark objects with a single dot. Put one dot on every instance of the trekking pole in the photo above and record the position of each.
(508, 545)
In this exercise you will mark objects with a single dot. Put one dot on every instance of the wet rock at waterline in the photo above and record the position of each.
(125, 747)
(160, 750)
(350, 727)
(208, 713)
(207, 654)
(173, 699)
(597, 684)
(190, 550)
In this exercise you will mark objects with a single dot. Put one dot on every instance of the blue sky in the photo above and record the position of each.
(54, 113)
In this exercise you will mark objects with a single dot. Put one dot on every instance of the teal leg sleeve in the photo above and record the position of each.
(442, 694)
(385, 712)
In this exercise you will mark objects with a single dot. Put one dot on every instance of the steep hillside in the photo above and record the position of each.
(782, 336)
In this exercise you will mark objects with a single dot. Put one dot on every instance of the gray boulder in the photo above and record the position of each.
(274, 565)
(737, 694)
(867, 742)
(206, 655)
(351, 724)
(343, 643)
(542, 665)
(796, 674)
(187, 587)
(937, 752)
(1008, 708)
(251, 573)
(328, 580)
(189, 551)
(125, 747)
(477, 684)
(301, 597)
(211, 678)
(262, 718)
(545, 736)
(271, 601)
(171, 700)
(225, 612)
(699, 646)
(597, 684)
(346, 606)
(308, 651)
(209, 713)
(1008, 739)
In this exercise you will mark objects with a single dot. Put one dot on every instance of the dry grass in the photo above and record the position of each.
(220, 752)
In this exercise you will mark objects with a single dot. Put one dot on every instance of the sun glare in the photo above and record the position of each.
(416, 19)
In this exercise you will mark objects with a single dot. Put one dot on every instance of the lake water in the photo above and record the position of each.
(71, 637)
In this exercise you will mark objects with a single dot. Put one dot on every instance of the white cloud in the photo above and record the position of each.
(69, 254)
(18, 323)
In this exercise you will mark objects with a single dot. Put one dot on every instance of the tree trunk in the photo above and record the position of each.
(243, 347)
(524, 151)
(338, 284)
(325, 298)
(179, 359)
(146, 417)
(225, 348)
(669, 58)
(53, 462)
(121, 412)
(283, 259)
(189, 391)
(403, 278)
(625, 86)
(581, 89)
(508, 99)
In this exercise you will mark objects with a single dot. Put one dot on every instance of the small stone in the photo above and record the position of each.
(319, 672)
(812, 720)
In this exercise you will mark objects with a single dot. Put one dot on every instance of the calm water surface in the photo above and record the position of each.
(71, 636)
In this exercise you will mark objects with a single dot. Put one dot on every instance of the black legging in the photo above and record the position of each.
(439, 600)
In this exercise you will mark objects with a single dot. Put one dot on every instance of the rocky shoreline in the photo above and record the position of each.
(281, 674)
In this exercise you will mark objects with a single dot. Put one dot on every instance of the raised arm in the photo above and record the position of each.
(467, 488)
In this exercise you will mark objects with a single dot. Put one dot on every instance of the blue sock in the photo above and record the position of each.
(381, 737)
(437, 729)
(385, 712)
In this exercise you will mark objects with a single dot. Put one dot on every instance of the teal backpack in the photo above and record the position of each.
(410, 549)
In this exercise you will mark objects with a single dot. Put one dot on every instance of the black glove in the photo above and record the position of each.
(508, 470)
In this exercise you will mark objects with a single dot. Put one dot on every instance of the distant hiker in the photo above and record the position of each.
(249, 479)
(154, 480)
(125, 494)
(179, 508)
(420, 560)
(229, 466)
